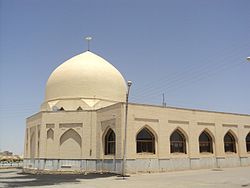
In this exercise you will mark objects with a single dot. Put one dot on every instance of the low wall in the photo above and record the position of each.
(132, 165)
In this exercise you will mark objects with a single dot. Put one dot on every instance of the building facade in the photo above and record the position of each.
(81, 124)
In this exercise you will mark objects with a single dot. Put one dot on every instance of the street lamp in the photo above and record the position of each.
(129, 83)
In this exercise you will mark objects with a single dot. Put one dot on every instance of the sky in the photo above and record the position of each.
(193, 51)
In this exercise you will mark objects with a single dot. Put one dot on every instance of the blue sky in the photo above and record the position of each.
(194, 51)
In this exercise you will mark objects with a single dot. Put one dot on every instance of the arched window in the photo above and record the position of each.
(145, 141)
(205, 143)
(177, 142)
(50, 145)
(110, 143)
(50, 134)
(229, 143)
(248, 142)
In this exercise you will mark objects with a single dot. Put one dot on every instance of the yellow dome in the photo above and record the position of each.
(86, 76)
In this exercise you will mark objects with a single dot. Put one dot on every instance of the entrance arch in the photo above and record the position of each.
(70, 145)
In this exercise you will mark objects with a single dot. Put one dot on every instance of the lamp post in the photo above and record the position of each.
(129, 83)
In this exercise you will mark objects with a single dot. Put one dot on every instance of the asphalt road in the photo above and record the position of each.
(214, 178)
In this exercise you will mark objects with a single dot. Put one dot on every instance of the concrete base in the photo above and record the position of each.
(133, 165)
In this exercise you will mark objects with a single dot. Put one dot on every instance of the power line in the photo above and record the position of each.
(187, 68)
(181, 82)
(179, 75)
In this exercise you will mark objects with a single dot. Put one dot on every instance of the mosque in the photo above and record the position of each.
(85, 124)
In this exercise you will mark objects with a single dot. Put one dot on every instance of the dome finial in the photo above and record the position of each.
(88, 39)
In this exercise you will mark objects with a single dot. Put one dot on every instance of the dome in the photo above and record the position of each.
(86, 76)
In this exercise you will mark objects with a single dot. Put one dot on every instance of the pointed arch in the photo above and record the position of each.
(208, 131)
(182, 132)
(50, 134)
(70, 144)
(109, 142)
(205, 142)
(248, 142)
(145, 141)
(150, 130)
(233, 134)
(50, 150)
(230, 142)
(71, 134)
(178, 141)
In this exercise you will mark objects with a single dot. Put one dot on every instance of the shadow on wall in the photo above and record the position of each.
(20, 179)
(70, 145)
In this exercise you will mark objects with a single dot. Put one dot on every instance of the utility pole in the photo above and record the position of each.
(129, 83)
(163, 100)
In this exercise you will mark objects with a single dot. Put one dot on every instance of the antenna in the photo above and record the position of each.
(163, 100)
(88, 39)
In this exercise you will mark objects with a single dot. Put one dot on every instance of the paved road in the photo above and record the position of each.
(216, 178)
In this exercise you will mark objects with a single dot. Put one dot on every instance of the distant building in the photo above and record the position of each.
(81, 127)
(6, 153)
